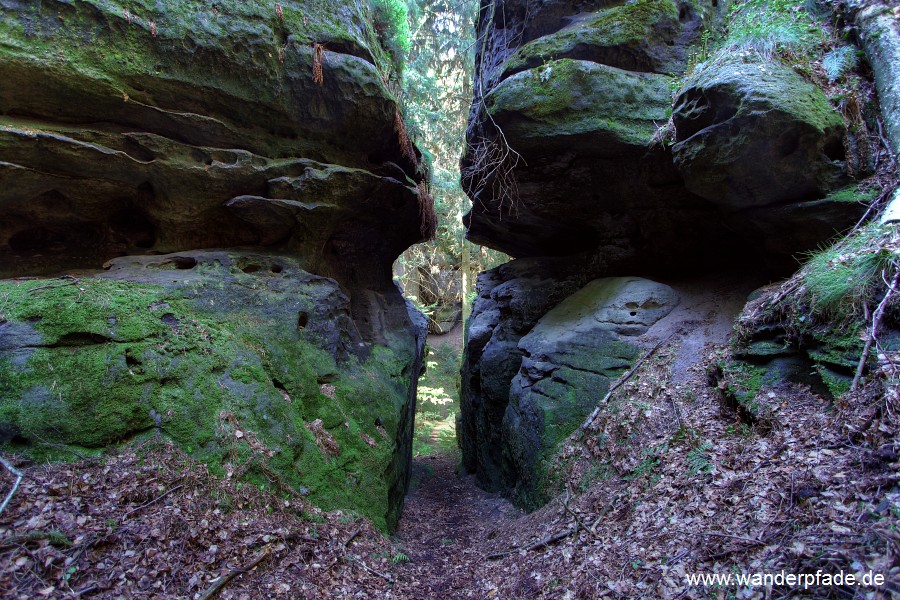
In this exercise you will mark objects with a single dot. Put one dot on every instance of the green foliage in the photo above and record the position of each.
(699, 459)
(437, 402)
(399, 558)
(437, 86)
(391, 21)
(840, 61)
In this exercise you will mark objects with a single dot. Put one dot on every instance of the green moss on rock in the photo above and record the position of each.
(637, 36)
(213, 359)
(566, 98)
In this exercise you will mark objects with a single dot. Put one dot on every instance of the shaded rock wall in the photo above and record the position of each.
(151, 128)
(570, 171)
(566, 154)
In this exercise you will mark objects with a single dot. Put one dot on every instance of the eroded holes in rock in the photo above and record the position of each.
(169, 319)
(133, 227)
(145, 194)
(302, 319)
(182, 263)
(683, 14)
(137, 150)
(130, 359)
(834, 150)
(201, 156)
(276, 268)
(251, 268)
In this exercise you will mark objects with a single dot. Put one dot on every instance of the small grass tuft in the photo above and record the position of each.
(844, 278)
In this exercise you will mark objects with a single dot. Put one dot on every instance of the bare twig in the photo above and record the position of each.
(751, 544)
(213, 590)
(578, 523)
(72, 281)
(620, 381)
(154, 501)
(352, 536)
(769, 458)
(546, 541)
(355, 560)
(873, 330)
(18, 474)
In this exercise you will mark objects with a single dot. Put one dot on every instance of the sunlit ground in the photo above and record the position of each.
(438, 402)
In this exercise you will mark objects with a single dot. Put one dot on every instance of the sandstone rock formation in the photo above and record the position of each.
(569, 359)
(153, 128)
(569, 166)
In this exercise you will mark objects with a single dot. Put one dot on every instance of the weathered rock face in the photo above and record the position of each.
(562, 158)
(155, 128)
(235, 356)
(511, 299)
(568, 159)
(137, 129)
(569, 359)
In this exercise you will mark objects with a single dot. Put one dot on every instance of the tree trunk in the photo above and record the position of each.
(879, 37)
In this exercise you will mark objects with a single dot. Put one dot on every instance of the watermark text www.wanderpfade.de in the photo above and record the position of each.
(820, 578)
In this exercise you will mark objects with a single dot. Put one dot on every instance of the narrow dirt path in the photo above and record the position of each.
(446, 523)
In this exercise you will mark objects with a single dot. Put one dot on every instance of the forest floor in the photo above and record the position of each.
(675, 484)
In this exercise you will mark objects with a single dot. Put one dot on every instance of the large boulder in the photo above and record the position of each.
(569, 359)
(131, 132)
(511, 298)
(245, 360)
(753, 133)
(543, 344)
(138, 130)
(643, 36)
(567, 143)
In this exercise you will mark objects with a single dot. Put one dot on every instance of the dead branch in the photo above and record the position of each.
(578, 523)
(352, 536)
(72, 281)
(620, 381)
(546, 541)
(154, 501)
(213, 590)
(749, 546)
(873, 330)
(18, 474)
(355, 559)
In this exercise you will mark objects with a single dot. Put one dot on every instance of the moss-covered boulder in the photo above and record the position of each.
(245, 360)
(577, 102)
(753, 133)
(569, 359)
(642, 36)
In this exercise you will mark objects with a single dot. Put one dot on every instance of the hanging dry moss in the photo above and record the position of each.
(318, 55)
(406, 145)
(427, 218)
